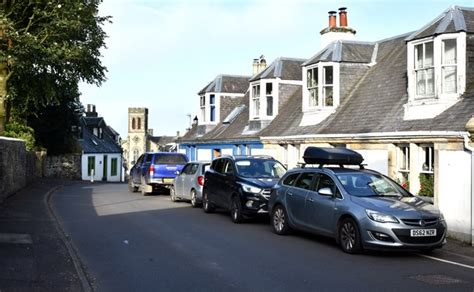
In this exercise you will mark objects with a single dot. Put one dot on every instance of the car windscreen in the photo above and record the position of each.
(363, 184)
(260, 168)
(170, 159)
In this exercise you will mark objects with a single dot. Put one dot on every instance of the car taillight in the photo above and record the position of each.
(201, 180)
(151, 169)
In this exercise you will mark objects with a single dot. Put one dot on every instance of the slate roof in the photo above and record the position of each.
(376, 105)
(344, 51)
(91, 143)
(163, 140)
(227, 84)
(225, 131)
(283, 68)
(453, 19)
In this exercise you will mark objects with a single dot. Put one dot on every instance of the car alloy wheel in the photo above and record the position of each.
(349, 236)
(193, 199)
(236, 210)
(279, 221)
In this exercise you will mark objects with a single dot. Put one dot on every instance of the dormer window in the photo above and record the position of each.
(209, 108)
(321, 86)
(436, 74)
(256, 100)
(212, 108)
(202, 104)
(424, 70)
(269, 98)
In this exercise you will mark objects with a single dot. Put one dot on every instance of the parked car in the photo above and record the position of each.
(360, 208)
(241, 184)
(188, 183)
(155, 171)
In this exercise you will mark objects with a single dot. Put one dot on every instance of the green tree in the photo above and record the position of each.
(46, 48)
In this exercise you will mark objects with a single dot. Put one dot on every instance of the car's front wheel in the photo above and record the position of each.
(280, 221)
(349, 236)
(206, 204)
(236, 210)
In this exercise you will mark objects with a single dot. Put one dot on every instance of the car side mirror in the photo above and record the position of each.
(325, 192)
(229, 173)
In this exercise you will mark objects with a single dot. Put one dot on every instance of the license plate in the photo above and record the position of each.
(168, 180)
(422, 232)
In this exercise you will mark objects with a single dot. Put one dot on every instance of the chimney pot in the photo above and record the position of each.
(342, 17)
(332, 19)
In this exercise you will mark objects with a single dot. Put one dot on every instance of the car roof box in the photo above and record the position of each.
(340, 156)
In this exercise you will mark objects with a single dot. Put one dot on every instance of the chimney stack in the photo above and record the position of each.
(333, 32)
(91, 111)
(332, 19)
(342, 17)
(259, 65)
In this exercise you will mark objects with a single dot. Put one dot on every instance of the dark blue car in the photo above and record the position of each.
(155, 171)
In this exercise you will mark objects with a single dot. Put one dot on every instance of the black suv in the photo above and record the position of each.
(241, 184)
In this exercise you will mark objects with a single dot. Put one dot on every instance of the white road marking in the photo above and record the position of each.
(446, 261)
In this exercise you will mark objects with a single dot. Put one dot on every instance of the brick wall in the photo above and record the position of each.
(18, 167)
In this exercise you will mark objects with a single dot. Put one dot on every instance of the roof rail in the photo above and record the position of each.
(263, 156)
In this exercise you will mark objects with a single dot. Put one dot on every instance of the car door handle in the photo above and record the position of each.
(290, 194)
(310, 199)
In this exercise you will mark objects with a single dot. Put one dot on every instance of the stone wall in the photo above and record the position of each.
(18, 167)
(66, 166)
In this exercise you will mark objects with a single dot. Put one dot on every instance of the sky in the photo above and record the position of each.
(160, 53)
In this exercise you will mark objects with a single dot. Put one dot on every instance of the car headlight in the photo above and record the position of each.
(441, 217)
(380, 217)
(250, 189)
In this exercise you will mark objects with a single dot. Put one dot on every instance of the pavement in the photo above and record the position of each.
(36, 255)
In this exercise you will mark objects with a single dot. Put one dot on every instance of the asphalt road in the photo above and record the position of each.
(128, 242)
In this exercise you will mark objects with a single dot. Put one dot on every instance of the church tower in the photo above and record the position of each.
(137, 133)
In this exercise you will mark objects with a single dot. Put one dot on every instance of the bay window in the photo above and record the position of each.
(212, 108)
(320, 84)
(424, 69)
(448, 66)
(269, 98)
(312, 83)
(202, 104)
(256, 100)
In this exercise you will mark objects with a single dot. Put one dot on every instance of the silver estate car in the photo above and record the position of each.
(188, 183)
(360, 208)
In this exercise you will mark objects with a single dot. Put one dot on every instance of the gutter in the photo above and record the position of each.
(365, 136)
(471, 149)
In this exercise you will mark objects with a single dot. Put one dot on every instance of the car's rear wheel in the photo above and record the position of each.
(280, 221)
(194, 201)
(349, 236)
(236, 210)
(207, 206)
(173, 195)
(131, 186)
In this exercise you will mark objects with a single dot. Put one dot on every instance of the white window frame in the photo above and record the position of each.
(431, 159)
(272, 95)
(212, 104)
(202, 106)
(321, 87)
(255, 102)
(403, 158)
(437, 60)
(206, 109)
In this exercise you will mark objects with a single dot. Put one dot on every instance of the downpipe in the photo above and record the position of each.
(471, 149)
